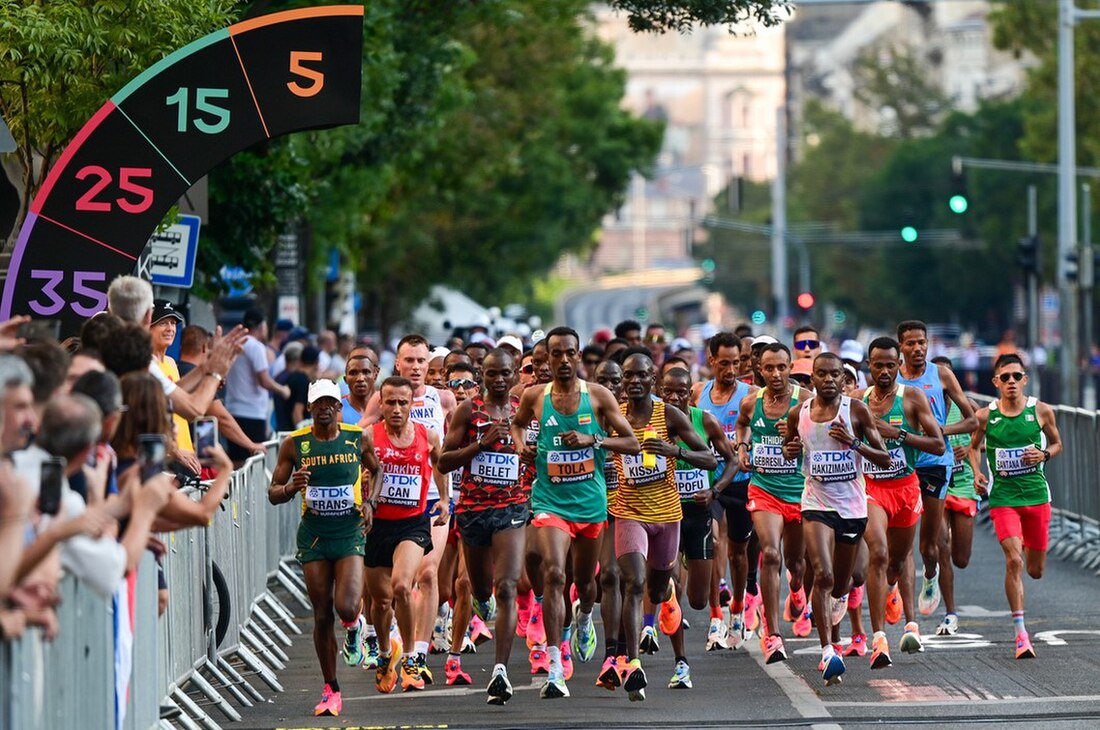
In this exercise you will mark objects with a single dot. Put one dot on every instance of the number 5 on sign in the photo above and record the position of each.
(316, 78)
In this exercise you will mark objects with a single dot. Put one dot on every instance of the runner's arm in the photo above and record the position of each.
(743, 433)
(372, 414)
(696, 390)
(919, 411)
(870, 445)
(680, 428)
(524, 413)
(977, 445)
(614, 422)
(442, 483)
(790, 436)
(281, 490)
(1049, 424)
(455, 455)
(953, 391)
(722, 445)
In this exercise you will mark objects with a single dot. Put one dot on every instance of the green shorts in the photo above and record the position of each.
(330, 538)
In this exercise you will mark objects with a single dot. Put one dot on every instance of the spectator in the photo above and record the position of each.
(248, 384)
(131, 350)
(278, 338)
(83, 361)
(334, 363)
(49, 364)
(96, 332)
(166, 320)
(851, 352)
(301, 370)
(104, 389)
(20, 419)
(1007, 345)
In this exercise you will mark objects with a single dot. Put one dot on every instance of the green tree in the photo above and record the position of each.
(658, 16)
(896, 81)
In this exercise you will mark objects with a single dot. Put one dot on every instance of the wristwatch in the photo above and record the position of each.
(217, 376)
(856, 443)
(1046, 455)
(902, 433)
(597, 440)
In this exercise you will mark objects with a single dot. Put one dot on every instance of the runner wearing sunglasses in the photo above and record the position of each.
(1021, 436)
(807, 343)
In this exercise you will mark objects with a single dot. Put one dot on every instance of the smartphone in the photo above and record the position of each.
(49, 485)
(205, 437)
(40, 329)
(151, 454)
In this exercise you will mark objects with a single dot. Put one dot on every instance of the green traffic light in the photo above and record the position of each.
(708, 265)
(909, 234)
(758, 317)
(958, 204)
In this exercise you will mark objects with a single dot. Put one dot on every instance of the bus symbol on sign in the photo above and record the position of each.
(169, 257)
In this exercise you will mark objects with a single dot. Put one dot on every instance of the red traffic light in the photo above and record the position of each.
(805, 300)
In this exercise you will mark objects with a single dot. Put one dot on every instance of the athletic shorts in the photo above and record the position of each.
(761, 500)
(590, 530)
(658, 542)
(734, 499)
(320, 541)
(934, 481)
(386, 535)
(899, 498)
(847, 530)
(477, 527)
(696, 537)
(962, 505)
(1032, 523)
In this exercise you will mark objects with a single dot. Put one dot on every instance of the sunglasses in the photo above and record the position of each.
(461, 383)
(1005, 377)
(807, 344)
(527, 369)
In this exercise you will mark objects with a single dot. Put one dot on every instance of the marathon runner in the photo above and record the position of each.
(775, 491)
(1021, 436)
(492, 507)
(940, 385)
(905, 422)
(609, 374)
(569, 497)
(324, 463)
(834, 435)
(400, 528)
(698, 490)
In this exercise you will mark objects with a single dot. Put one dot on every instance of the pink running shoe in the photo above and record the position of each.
(858, 646)
(536, 630)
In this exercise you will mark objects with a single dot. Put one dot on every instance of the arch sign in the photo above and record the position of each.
(118, 178)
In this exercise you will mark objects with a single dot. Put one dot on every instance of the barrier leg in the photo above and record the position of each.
(287, 581)
(271, 626)
(253, 662)
(277, 606)
(215, 696)
(188, 706)
(262, 648)
(221, 681)
(237, 680)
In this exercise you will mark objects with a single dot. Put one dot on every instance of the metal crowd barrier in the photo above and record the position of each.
(71, 682)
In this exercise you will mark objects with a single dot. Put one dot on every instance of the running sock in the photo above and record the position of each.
(420, 647)
(620, 647)
(750, 583)
(566, 633)
(538, 600)
(554, 652)
(452, 655)
(878, 634)
(611, 648)
(716, 612)
(650, 620)
(827, 652)
(1018, 621)
(584, 620)
(499, 669)
(737, 607)
(683, 659)
(333, 685)
(369, 630)
(351, 625)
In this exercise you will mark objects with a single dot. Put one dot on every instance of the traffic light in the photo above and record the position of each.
(805, 300)
(1029, 252)
(909, 234)
(641, 314)
(707, 266)
(758, 317)
(958, 202)
(840, 317)
(1072, 266)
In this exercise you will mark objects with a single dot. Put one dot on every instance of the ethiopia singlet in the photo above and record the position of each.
(569, 483)
(962, 475)
(528, 471)
(930, 384)
(691, 479)
(902, 458)
(726, 413)
(427, 410)
(1015, 484)
(834, 475)
(647, 494)
(492, 478)
(334, 495)
(406, 474)
(771, 471)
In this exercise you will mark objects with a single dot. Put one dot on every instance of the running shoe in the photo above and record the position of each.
(880, 653)
(634, 681)
(724, 594)
(499, 689)
(670, 616)
(422, 665)
(455, 675)
(330, 703)
(681, 678)
(1024, 650)
(468, 645)
(609, 674)
(929, 599)
(838, 607)
(540, 660)
(649, 643)
(805, 623)
(486, 611)
(479, 632)
(949, 626)
(522, 616)
(737, 631)
(910, 641)
(566, 661)
(385, 676)
(536, 630)
(774, 650)
(411, 679)
(684, 624)
(792, 607)
(441, 636)
(371, 652)
(753, 608)
(857, 646)
(831, 669)
(893, 606)
(717, 635)
(353, 643)
(584, 641)
(554, 687)
(855, 597)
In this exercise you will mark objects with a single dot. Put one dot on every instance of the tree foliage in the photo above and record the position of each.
(659, 16)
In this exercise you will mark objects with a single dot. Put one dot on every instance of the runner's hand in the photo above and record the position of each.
(981, 484)
(496, 431)
(744, 459)
(1032, 455)
(575, 440)
(793, 448)
(443, 509)
(527, 453)
(838, 431)
(703, 497)
(300, 480)
(886, 430)
(368, 518)
(659, 447)
(960, 452)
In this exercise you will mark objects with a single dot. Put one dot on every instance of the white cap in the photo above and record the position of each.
(439, 352)
(322, 388)
(480, 338)
(851, 350)
(537, 336)
(680, 343)
(511, 341)
(764, 340)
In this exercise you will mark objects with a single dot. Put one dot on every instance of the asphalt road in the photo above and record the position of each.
(967, 679)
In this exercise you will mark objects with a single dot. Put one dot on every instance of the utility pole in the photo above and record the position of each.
(1086, 281)
(780, 292)
(1032, 277)
(1067, 202)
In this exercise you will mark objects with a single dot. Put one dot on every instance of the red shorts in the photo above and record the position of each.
(590, 530)
(761, 500)
(1032, 523)
(962, 505)
(899, 498)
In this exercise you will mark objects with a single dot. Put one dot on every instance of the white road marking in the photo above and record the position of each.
(980, 612)
(967, 701)
(536, 683)
(802, 697)
(1053, 638)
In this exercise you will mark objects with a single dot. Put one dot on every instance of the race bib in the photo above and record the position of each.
(833, 466)
(690, 481)
(330, 501)
(635, 473)
(1010, 462)
(897, 466)
(401, 490)
(611, 475)
(531, 434)
(958, 466)
(495, 468)
(767, 457)
(570, 466)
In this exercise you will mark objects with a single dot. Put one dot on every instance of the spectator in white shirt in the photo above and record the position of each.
(249, 383)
